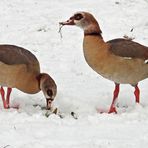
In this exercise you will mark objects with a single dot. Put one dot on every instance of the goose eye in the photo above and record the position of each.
(49, 92)
(78, 16)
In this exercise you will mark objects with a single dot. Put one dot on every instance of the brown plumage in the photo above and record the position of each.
(120, 60)
(128, 48)
(20, 69)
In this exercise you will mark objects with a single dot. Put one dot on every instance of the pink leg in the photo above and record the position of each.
(137, 93)
(116, 92)
(8, 96)
(3, 97)
(5, 102)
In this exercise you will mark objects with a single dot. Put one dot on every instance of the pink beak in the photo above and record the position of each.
(68, 22)
(49, 103)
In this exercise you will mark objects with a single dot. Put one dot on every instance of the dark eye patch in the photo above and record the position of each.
(49, 92)
(78, 16)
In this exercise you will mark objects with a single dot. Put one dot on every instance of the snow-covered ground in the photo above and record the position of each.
(33, 24)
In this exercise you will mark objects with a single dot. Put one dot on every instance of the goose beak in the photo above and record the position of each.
(49, 103)
(68, 22)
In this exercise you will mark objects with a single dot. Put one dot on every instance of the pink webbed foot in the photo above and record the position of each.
(115, 96)
(112, 110)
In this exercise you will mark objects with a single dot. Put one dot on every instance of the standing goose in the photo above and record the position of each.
(20, 69)
(120, 60)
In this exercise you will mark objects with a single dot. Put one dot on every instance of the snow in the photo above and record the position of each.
(33, 24)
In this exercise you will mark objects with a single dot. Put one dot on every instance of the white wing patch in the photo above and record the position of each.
(128, 58)
(146, 61)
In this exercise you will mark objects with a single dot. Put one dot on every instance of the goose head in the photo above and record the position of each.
(84, 20)
(48, 87)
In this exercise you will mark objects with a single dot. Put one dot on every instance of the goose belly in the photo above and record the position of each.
(126, 71)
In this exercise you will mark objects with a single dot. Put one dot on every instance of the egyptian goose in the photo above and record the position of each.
(20, 69)
(120, 60)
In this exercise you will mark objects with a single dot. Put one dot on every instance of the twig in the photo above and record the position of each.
(132, 30)
(60, 28)
(128, 38)
(5, 146)
(73, 114)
